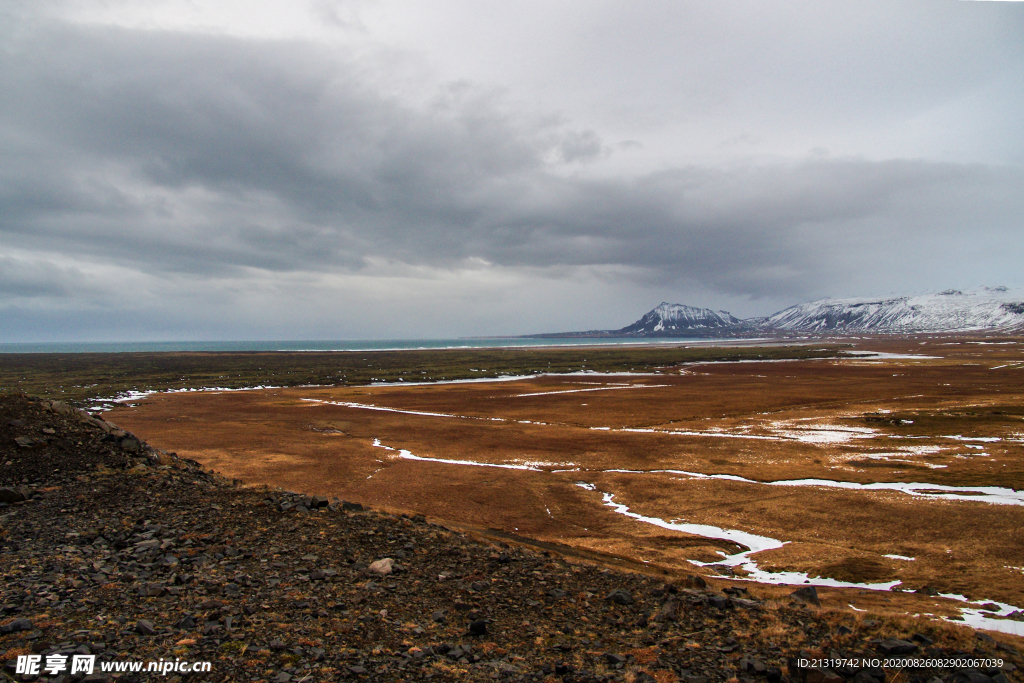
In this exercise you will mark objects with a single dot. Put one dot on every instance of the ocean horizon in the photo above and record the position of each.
(327, 345)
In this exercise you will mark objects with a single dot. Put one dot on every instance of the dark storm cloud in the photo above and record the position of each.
(170, 152)
(32, 279)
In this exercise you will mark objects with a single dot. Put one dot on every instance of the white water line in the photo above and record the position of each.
(972, 616)
(408, 455)
(995, 495)
(386, 409)
(580, 391)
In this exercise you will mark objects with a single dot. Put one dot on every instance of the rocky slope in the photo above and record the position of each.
(109, 547)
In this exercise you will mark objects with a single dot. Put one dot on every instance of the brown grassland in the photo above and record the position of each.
(940, 410)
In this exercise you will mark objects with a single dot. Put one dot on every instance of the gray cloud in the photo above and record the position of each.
(232, 160)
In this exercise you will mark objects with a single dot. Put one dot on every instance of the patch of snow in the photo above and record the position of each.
(900, 557)
(883, 355)
(743, 560)
(132, 395)
(983, 619)
(385, 409)
(983, 439)
(407, 455)
(579, 391)
(995, 495)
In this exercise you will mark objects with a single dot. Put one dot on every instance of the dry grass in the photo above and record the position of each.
(278, 438)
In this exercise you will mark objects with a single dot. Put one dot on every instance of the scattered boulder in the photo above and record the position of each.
(695, 582)
(807, 595)
(16, 625)
(382, 567)
(667, 611)
(15, 494)
(896, 646)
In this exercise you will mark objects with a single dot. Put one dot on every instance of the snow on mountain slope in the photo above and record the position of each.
(949, 311)
(668, 319)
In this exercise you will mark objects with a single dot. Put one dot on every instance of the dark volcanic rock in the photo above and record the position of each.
(895, 646)
(806, 594)
(620, 597)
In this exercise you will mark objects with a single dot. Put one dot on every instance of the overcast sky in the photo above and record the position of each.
(324, 169)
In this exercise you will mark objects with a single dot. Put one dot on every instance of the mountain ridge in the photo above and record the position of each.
(951, 310)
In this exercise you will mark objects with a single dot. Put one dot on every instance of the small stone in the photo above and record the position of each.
(620, 597)
(970, 677)
(895, 646)
(145, 628)
(752, 665)
(438, 616)
(12, 495)
(16, 625)
(382, 567)
(153, 591)
(864, 677)
(478, 628)
(807, 595)
(667, 612)
(719, 602)
(816, 675)
(695, 582)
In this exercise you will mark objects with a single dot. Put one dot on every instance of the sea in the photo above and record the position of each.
(331, 345)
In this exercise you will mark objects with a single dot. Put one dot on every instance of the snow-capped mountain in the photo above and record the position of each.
(950, 311)
(982, 309)
(679, 320)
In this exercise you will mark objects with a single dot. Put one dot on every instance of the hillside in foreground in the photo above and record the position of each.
(113, 549)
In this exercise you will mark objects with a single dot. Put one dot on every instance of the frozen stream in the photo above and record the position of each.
(753, 542)
(995, 495)
(971, 615)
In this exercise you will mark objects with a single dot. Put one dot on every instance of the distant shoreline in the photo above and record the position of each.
(340, 345)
